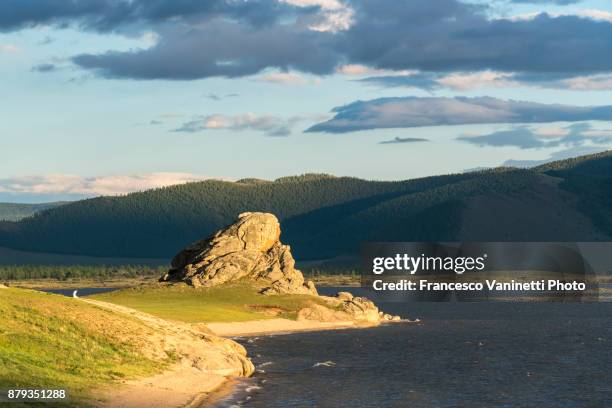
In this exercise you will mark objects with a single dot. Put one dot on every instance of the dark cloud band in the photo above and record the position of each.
(201, 39)
(107, 15)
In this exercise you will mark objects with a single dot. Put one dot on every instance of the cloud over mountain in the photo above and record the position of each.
(560, 155)
(54, 184)
(525, 137)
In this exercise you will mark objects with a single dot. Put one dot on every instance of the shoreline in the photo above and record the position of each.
(179, 386)
(278, 326)
(187, 387)
(50, 283)
(206, 363)
(274, 327)
(119, 283)
(182, 384)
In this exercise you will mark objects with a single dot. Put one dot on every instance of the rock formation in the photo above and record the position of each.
(251, 249)
(345, 307)
(357, 309)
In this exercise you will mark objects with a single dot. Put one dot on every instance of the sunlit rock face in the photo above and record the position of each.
(249, 248)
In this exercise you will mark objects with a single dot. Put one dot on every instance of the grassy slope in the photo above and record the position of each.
(49, 341)
(228, 303)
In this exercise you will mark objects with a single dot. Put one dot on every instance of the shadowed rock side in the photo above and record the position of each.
(251, 248)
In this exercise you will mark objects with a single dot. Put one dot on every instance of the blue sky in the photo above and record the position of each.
(106, 99)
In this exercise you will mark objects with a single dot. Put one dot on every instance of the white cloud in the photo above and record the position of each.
(485, 79)
(324, 4)
(595, 133)
(355, 69)
(336, 16)
(282, 78)
(360, 70)
(9, 49)
(150, 38)
(270, 125)
(599, 15)
(465, 81)
(335, 21)
(550, 132)
(411, 111)
(587, 83)
(93, 186)
(524, 16)
(593, 14)
(492, 79)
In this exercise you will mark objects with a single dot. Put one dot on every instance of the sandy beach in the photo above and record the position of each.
(180, 386)
(185, 386)
(274, 326)
(205, 364)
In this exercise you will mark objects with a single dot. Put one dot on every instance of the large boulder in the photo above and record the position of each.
(249, 248)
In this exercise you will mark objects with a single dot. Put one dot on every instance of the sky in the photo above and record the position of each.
(104, 97)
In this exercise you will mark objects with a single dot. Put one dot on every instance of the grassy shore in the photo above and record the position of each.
(49, 341)
(236, 302)
(82, 283)
(118, 281)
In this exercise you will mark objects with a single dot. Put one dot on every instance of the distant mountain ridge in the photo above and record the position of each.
(323, 216)
(16, 212)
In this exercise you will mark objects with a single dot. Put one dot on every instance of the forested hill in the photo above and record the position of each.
(324, 216)
(16, 212)
(160, 222)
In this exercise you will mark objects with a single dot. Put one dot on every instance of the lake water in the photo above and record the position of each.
(492, 354)
(80, 291)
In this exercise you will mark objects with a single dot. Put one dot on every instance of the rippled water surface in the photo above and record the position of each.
(462, 355)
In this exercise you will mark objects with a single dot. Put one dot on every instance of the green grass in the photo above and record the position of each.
(234, 302)
(54, 342)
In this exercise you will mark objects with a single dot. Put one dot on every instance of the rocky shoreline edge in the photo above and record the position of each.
(201, 380)
(249, 250)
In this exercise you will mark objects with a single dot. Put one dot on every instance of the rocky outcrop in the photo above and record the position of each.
(322, 313)
(348, 307)
(249, 248)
